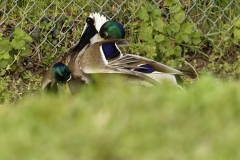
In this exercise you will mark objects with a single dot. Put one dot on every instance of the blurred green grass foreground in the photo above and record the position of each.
(125, 123)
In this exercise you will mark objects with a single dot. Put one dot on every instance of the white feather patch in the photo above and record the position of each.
(98, 19)
(119, 50)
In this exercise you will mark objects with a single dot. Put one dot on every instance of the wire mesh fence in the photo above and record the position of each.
(58, 24)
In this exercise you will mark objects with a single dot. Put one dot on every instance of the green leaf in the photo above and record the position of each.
(25, 51)
(170, 50)
(5, 46)
(168, 30)
(159, 38)
(4, 56)
(158, 25)
(18, 33)
(166, 42)
(177, 51)
(18, 44)
(28, 38)
(169, 2)
(180, 16)
(150, 7)
(237, 22)
(187, 27)
(196, 41)
(185, 37)
(150, 49)
(174, 27)
(3, 63)
(236, 33)
(145, 32)
(196, 34)
(162, 48)
(178, 38)
(156, 13)
(142, 14)
(175, 8)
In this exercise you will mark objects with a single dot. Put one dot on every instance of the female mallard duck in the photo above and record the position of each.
(89, 36)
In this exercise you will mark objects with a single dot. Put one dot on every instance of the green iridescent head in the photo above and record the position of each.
(112, 30)
(61, 73)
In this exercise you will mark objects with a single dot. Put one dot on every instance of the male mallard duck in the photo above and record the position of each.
(94, 61)
(104, 57)
(89, 36)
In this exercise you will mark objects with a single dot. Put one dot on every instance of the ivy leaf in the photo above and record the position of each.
(18, 44)
(142, 14)
(159, 38)
(187, 27)
(158, 25)
(180, 16)
(237, 22)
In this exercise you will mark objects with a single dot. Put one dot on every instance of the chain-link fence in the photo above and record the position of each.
(53, 22)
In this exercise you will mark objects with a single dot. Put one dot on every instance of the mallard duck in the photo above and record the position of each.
(93, 61)
(89, 36)
(104, 57)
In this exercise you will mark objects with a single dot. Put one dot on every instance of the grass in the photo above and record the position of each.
(125, 123)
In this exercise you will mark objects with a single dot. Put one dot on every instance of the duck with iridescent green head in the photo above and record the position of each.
(104, 57)
(89, 36)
